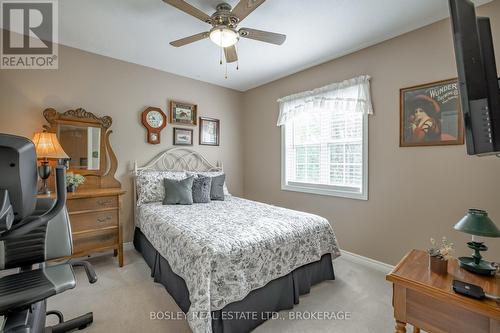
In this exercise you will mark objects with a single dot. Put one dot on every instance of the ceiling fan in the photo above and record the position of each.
(224, 23)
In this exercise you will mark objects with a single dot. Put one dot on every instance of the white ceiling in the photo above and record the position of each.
(139, 31)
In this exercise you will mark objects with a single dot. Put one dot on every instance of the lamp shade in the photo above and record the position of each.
(477, 223)
(47, 146)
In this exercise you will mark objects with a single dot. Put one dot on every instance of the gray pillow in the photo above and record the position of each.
(178, 191)
(217, 188)
(201, 189)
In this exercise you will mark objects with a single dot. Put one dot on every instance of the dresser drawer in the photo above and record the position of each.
(94, 240)
(93, 221)
(84, 204)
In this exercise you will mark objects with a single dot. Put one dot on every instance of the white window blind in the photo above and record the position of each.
(324, 144)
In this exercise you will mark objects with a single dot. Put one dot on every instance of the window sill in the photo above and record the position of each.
(325, 191)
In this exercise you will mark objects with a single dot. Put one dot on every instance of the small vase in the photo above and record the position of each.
(70, 188)
(438, 266)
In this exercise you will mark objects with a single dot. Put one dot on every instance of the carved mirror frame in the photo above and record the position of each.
(108, 163)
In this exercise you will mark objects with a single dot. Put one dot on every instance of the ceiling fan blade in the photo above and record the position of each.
(189, 9)
(263, 36)
(245, 7)
(190, 39)
(230, 53)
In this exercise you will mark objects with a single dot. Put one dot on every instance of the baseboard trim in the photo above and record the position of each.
(128, 246)
(368, 262)
(349, 256)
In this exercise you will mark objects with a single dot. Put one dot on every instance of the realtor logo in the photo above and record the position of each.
(29, 34)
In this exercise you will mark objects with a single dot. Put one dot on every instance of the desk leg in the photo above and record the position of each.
(400, 327)
(399, 303)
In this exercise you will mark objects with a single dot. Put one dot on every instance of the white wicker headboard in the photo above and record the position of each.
(179, 159)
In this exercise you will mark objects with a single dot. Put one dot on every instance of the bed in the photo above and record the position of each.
(230, 264)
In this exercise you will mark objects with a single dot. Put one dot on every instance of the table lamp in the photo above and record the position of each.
(477, 223)
(47, 147)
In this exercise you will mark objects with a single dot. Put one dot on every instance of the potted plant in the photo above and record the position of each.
(73, 180)
(439, 255)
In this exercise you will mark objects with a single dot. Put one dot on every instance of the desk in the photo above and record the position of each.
(427, 301)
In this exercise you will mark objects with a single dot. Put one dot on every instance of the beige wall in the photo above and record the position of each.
(121, 90)
(414, 193)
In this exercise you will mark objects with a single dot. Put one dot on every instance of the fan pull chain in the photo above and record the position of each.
(225, 75)
(237, 60)
(220, 56)
(221, 47)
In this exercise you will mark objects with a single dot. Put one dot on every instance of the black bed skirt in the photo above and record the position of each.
(279, 294)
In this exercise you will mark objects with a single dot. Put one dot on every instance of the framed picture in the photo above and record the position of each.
(209, 131)
(183, 113)
(431, 115)
(183, 136)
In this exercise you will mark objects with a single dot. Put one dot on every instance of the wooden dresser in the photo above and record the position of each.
(95, 221)
(427, 301)
(94, 216)
(94, 209)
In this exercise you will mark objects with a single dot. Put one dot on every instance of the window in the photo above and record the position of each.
(325, 141)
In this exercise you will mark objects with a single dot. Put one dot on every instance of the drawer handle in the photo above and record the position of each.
(104, 202)
(103, 219)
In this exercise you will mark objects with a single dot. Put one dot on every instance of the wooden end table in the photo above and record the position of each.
(427, 301)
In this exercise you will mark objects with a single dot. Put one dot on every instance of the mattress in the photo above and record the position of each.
(225, 249)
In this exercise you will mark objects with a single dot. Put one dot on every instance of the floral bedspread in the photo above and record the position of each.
(225, 249)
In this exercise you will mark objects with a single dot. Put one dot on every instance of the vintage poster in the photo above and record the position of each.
(430, 115)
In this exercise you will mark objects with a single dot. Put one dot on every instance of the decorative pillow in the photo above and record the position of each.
(178, 192)
(150, 187)
(217, 188)
(211, 174)
(201, 189)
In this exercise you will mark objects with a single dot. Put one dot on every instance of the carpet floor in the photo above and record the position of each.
(123, 298)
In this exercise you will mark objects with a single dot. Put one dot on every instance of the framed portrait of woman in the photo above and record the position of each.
(431, 115)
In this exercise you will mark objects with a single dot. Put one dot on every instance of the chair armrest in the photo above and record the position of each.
(89, 270)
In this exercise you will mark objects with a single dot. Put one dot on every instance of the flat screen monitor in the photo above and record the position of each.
(477, 76)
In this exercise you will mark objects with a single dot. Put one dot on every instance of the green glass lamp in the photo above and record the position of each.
(477, 223)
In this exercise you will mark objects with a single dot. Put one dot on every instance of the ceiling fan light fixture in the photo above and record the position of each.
(223, 36)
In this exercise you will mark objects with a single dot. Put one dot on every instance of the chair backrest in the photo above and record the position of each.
(18, 173)
(43, 231)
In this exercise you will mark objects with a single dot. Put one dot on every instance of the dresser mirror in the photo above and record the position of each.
(85, 139)
(83, 146)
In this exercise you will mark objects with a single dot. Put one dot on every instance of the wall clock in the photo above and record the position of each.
(154, 120)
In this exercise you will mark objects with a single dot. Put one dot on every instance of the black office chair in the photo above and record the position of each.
(33, 231)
